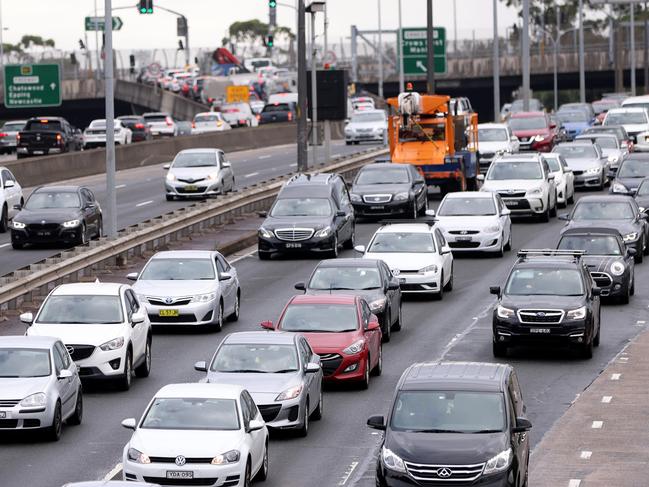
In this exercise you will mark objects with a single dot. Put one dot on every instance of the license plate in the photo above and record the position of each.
(540, 330)
(402, 280)
(463, 239)
(3, 414)
(155, 133)
(44, 234)
(38, 152)
(509, 203)
(293, 245)
(168, 312)
(377, 207)
(179, 475)
(191, 187)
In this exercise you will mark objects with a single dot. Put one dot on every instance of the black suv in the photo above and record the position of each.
(455, 423)
(311, 213)
(549, 296)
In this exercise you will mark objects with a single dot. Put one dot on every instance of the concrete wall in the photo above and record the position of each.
(157, 100)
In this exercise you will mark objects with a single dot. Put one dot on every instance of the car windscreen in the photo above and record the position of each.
(315, 207)
(255, 358)
(553, 163)
(385, 175)
(515, 170)
(606, 142)
(643, 189)
(408, 242)
(544, 281)
(528, 123)
(37, 125)
(206, 118)
(467, 207)
(187, 413)
(604, 106)
(572, 117)
(345, 277)
(82, 309)
(43, 200)
(12, 127)
(603, 210)
(320, 318)
(625, 118)
(178, 270)
(367, 117)
(448, 412)
(24, 362)
(195, 159)
(617, 131)
(492, 135)
(634, 168)
(591, 244)
(577, 151)
(277, 107)
(155, 118)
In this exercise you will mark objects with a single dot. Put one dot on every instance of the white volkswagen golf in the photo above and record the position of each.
(198, 434)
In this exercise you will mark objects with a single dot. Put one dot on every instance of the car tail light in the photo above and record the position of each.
(2, 134)
(17, 137)
(139, 125)
(258, 118)
(169, 121)
(290, 116)
(242, 122)
(193, 125)
(58, 137)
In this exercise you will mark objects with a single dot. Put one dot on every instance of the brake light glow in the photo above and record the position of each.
(2, 134)
(139, 125)
(169, 121)
(290, 116)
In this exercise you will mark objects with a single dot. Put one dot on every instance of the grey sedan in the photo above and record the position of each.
(8, 134)
(39, 385)
(588, 163)
(280, 371)
(198, 172)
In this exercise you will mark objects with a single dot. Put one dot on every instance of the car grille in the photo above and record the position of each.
(578, 173)
(165, 481)
(524, 139)
(464, 245)
(377, 198)
(330, 363)
(551, 316)
(294, 234)
(517, 204)
(191, 181)
(8, 403)
(269, 412)
(464, 232)
(173, 460)
(199, 189)
(42, 227)
(174, 302)
(79, 352)
(602, 279)
(512, 194)
(444, 473)
(181, 318)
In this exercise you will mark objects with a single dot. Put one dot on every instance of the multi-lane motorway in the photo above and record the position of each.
(339, 450)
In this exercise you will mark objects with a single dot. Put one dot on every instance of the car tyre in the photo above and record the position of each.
(4, 219)
(365, 381)
(386, 328)
(217, 322)
(16, 245)
(169, 197)
(263, 255)
(499, 350)
(333, 253)
(263, 471)
(449, 285)
(83, 238)
(571, 200)
(100, 228)
(553, 211)
(545, 216)
(124, 382)
(237, 307)
(508, 245)
(319, 411)
(378, 369)
(398, 325)
(77, 416)
(501, 251)
(639, 256)
(303, 430)
(53, 432)
(586, 350)
(415, 210)
(440, 295)
(349, 244)
(144, 369)
(597, 337)
(246, 478)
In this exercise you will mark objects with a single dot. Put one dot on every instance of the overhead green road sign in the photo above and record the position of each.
(97, 23)
(414, 49)
(32, 85)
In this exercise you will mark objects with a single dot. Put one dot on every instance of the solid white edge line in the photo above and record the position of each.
(5, 245)
(252, 174)
(607, 399)
(120, 186)
(345, 479)
(574, 483)
(615, 376)
(585, 455)
(144, 203)
(597, 425)
(115, 470)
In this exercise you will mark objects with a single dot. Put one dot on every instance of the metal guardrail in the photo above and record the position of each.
(38, 279)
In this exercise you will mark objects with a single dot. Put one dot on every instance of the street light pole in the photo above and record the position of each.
(380, 52)
(555, 55)
(633, 64)
(496, 63)
(582, 69)
(109, 88)
(314, 95)
(302, 156)
(430, 71)
(402, 83)
(526, 55)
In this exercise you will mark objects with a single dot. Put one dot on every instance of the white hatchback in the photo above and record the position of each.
(11, 195)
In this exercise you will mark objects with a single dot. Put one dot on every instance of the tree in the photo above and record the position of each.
(28, 41)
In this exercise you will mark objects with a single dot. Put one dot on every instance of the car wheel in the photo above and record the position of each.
(169, 197)
(545, 216)
(501, 251)
(100, 228)
(386, 328)
(440, 295)
(602, 182)
(449, 285)
(246, 479)
(571, 200)
(553, 212)
(499, 350)
(646, 248)
(349, 244)
(317, 414)
(217, 322)
(378, 369)
(398, 325)
(303, 430)
(508, 245)
(365, 381)
(596, 339)
(639, 256)
(263, 471)
(424, 207)
(237, 307)
(126, 380)
(16, 245)
(77, 416)
(4, 219)
(333, 253)
(586, 350)
(53, 432)
(415, 210)
(145, 368)
(632, 291)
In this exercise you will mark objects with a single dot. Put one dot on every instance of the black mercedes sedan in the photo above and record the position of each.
(68, 215)
(633, 169)
(389, 189)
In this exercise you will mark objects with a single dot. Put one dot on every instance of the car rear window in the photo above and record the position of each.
(277, 107)
(37, 125)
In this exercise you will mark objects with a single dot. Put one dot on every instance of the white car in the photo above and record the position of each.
(635, 121)
(239, 115)
(564, 179)
(417, 254)
(209, 122)
(103, 326)
(370, 125)
(161, 124)
(475, 221)
(11, 196)
(198, 434)
(494, 138)
(95, 134)
(525, 184)
(189, 287)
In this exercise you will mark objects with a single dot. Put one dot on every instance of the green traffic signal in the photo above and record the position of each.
(272, 3)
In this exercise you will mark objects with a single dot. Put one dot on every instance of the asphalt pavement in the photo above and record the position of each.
(340, 449)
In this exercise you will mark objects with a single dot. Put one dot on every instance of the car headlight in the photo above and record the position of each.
(349, 130)
(265, 233)
(619, 188)
(377, 306)
(137, 456)
(401, 196)
(593, 170)
(500, 462)
(204, 298)
(492, 229)
(229, 457)
(35, 400)
(290, 393)
(114, 344)
(355, 347)
(324, 232)
(630, 237)
(535, 191)
(617, 268)
(577, 314)
(503, 312)
(171, 176)
(71, 223)
(428, 268)
(18, 225)
(212, 177)
(538, 138)
(392, 461)
(356, 198)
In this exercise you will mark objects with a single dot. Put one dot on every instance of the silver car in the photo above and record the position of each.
(198, 172)
(587, 161)
(39, 385)
(281, 372)
(8, 134)
(368, 125)
(189, 287)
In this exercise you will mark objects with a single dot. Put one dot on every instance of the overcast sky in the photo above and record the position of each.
(63, 20)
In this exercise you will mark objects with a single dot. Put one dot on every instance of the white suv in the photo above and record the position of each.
(103, 326)
(525, 183)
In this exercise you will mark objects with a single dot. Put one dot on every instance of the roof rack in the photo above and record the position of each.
(525, 253)
(430, 221)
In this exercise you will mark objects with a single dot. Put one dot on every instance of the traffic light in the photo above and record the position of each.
(181, 46)
(145, 6)
(131, 62)
(81, 44)
(272, 3)
(270, 40)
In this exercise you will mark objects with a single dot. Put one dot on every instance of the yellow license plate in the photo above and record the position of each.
(168, 312)
(191, 187)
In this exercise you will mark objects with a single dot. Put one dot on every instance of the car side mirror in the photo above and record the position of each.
(495, 290)
(300, 286)
(522, 425)
(550, 177)
(166, 167)
(567, 169)
(18, 207)
(255, 425)
(393, 286)
(480, 177)
(27, 318)
(643, 216)
(262, 214)
(341, 214)
(430, 212)
(129, 423)
(9, 184)
(225, 276)
(596, 291)
(312, 368)
(506, 212)
(376, 422)
(360, 249)
(631, 252)
(132, 276)
(564, 216)
(226, 164)
(268, 325)
(373, 325)
(65, 374)
(137, 318)
(200, 366)
(446, 250)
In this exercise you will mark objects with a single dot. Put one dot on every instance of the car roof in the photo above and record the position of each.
(626, 109)
(382, 165)
(405, 227)
(88, 289)
(592, 231)
(492, 126)
(305, 191)
(261, 337)
(583, 142)
(183, 254)
(469, 376)
(527, 114)
(635, 99)
(200, 150)
(310, 179)
(201, 390)
(22, 341)
(470, 194)
(46, 118)
(14, 121)
(324, 299)
(348, 262)
(58, 189)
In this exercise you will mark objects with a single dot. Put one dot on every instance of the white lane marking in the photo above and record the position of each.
(116, 469)
(574, 483)
(624, 359)
(597, 425)
(265, 157)
(349, 473)
(640, 322)
(252, 174)
(616, 376)
(585, 455)
(293, 165)
(120, 186)
(144, 203)
(5, 245)
(244, 256)
(607, 399)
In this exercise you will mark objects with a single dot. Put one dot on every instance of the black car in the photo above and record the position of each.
(612, 211)
(369, 278)
(138, 126)
(642, 195)
(47, 135)
(610, 263)
(455, 423)
(311, 213)
(277, 112)
(389, 189)
(57, 214)
(549, 297)
(633, 169)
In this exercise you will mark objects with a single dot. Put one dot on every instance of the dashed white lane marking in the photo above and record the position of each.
(640, 322)
(607, 399)
(585, 455)
(5, 245)
(144, 203)
(574, 483)
(616, 376)
(265, 157)
(348, 474)
(623, 359)
(293, 165)
(252, 174)
(120, 186)
(244, 256)
(116, 469)
(597, 425)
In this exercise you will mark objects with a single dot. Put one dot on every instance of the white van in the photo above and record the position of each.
(282, 98)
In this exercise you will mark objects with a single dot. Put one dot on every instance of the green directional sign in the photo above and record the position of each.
(414, 49)
(32, 85)
(97, 23)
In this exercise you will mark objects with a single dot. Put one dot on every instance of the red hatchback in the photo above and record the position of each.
(534, 130)
(341, 329)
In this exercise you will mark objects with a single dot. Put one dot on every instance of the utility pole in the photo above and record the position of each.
(455, 26)
(646, 51)
(430, 72)
(302, 156)
(2, 49)
(582, 69)
(557, 43)
(496, 63)
(632, 53)
(97, 45)
(380, 53)
(402, 83)
(526, 54)
(314, 95)
(111, 195)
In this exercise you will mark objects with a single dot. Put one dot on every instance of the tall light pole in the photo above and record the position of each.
(314, 94)
(496, 63)
(430, 70)
(111, 195)
(555, 55)
(454, 25)
(2, 48)
(380, 52)
(633, 66)
(402, 84)
(525, 55)
(582, 69)
(302, 156)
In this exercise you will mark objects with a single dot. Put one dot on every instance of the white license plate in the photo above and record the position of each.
(179, 475)
(377, 207)
(463, 239)
(3, 415)
(155, 133)
(402, 280)
(509, 203)
(540, 330)
(38, 152)
(293, 245)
